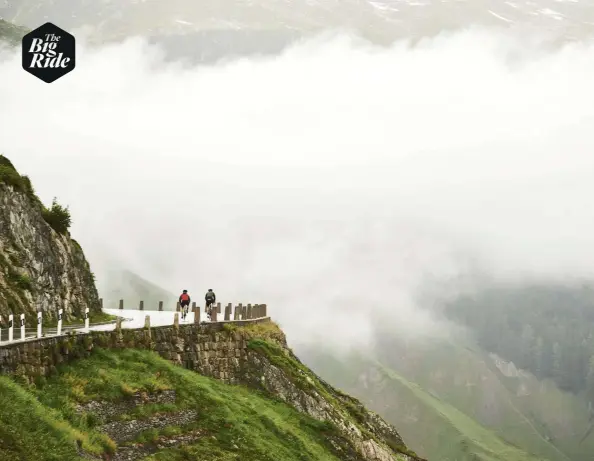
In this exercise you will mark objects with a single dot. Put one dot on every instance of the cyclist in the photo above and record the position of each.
(184, 302)
(210, 299)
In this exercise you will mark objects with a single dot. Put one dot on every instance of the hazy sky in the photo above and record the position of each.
(334, 179)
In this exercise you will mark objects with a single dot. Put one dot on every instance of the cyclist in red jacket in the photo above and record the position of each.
(184, 302)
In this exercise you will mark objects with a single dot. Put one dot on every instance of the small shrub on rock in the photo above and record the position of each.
(58, 217)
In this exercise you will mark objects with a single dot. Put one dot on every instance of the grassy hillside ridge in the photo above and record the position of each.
(30, 431)
(229, 416)
(276, 370)
(476, 441)
(132, 404)
(323, 401)
(462, 375)
(561, 417)
(41, 266)
(519, 411)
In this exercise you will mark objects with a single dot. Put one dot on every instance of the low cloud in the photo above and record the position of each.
(333, 182)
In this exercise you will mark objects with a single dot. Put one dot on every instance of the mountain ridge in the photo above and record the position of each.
(533, 416)
(98, 373)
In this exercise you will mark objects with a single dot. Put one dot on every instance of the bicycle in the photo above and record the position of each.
(184, 312)
(208, 309)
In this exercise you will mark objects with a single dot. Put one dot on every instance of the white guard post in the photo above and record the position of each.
(39, 324)
(87, 320)
(23, 327)
(59, 330)
(10, 328)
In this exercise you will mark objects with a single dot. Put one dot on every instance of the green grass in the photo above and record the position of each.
(22, 281)
(349, 408)
(472, 366)
(477, 440)
(94, 317)
(100, 317)
(446, 422)
(152, 435)
(521, 410)
(30, 431)
(236, 423)
(10, 176)
(57, 216)
(268, 331)
(303, 378)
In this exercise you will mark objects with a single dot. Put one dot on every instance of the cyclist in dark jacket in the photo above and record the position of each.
(210, 299)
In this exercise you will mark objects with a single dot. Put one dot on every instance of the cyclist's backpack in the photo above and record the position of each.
(185, 297)
(210, 296)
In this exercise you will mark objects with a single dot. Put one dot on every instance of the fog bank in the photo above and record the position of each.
(335, 179)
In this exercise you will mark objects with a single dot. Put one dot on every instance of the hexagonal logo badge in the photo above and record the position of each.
(49, 52)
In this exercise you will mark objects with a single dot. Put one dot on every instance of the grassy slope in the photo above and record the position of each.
(229, 416)
(462, 377)
(462, 437)
(29, 430)
(559, 416)
(524, 411)
(439, 415)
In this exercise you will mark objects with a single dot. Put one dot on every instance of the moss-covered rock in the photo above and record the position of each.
(40, 268)
(278, 371)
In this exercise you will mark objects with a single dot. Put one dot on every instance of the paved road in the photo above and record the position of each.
(31, 333)
(134, 319)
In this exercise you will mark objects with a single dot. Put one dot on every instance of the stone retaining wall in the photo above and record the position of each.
(218, 349)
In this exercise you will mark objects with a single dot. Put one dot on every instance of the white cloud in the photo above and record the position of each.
(329, 182)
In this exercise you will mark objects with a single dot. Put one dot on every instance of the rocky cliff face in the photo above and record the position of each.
(360, 435)
(41, 269)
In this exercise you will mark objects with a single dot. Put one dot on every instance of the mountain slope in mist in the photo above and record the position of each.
(453, 396)
(525, 412)
(11, 33)
(115, 285)
(546, 328)
(378, 20)
(460, 436)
